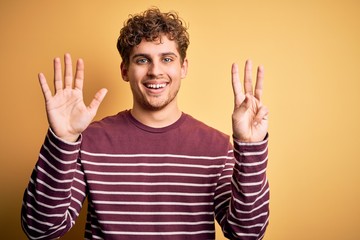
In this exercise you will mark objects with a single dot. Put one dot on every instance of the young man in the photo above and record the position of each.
(152, 172)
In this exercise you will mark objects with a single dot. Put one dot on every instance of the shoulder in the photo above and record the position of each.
(201, 139)
(104, 135)
(108, 124)
(201, 129)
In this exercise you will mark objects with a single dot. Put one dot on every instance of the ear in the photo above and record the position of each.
(123, 70)
(184, 68)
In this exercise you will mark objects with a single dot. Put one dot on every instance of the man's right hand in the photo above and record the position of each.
(67, 113)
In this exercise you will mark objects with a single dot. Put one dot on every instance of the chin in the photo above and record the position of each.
(155, 107)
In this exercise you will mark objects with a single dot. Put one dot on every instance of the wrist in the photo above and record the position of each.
(69, 138)
(250, 140)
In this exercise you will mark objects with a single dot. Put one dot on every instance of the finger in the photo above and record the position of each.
(246, 104)
(238, 94)
(58, 83)
(259, 83)
(262, 114)
(98, 98)
(248, 78)
(79, 75)
(44, 87)
(68, 71)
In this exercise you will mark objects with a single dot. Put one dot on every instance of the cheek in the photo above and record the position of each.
(135, 75)
(176, 74)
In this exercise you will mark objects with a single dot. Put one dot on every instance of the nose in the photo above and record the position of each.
(155, 69)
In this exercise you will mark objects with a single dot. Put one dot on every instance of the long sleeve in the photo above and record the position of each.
(56, 191)
(242, 195)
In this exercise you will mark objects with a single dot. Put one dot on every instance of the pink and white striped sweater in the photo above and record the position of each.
(148, 183)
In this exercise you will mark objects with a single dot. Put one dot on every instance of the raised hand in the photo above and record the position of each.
(250, 116)
(67, 113)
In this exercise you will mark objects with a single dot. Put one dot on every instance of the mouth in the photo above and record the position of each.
(155, 86)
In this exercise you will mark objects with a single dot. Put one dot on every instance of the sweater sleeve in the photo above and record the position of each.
(56, 190)
(242, 194)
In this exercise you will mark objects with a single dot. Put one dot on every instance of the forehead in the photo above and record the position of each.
(159, 46)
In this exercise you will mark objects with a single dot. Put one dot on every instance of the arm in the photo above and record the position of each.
(242, 194)
(242, 202)
(56, 189)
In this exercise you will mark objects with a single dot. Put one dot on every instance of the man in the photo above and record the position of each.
(152, 172)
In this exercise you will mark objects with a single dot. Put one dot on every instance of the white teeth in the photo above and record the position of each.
(156, 86)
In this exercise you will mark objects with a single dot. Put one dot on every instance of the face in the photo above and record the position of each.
(154, 72)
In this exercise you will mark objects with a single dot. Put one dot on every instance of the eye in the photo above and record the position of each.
(167, 59)
(142, 61)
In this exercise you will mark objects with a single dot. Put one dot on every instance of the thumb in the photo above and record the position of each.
(262, 114)
(98, 98)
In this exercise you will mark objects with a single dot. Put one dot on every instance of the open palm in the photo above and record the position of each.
(67, 113)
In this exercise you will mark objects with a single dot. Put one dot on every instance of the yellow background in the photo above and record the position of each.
(311, 53)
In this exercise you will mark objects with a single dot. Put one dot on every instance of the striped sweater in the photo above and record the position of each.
(148, 183)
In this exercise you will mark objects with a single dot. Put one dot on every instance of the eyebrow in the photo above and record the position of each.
(148, 55)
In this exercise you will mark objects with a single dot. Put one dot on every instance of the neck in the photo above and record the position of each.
(156, 118)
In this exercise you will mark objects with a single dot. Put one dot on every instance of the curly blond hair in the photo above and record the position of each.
(149, 25)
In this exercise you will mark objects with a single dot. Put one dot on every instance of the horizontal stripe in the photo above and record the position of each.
(248, 219)
(250, 143)
(229, 175)
(151, 165)
(152, 203)
(79, 181)
(77, 190)
(40, 169)
(225, 184)
(42, 213)
(76, 201)
(152, 183)
(151, 193)
(248, 194)
(60, 149)
(151, 174)
(56, 169)
(252, 203)
(154, 213)
(38, 192)
(255, 153)
(258, 225)
(252, 164)
(66, 162)
(153, 156)
(53, 188)
(38, 202)
(158, 233)
(155, 223)
(221, 204)
(43, 236)
(37, 220)
(254, 209)
(251, 174)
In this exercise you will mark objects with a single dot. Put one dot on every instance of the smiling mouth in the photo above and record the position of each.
(156, 86)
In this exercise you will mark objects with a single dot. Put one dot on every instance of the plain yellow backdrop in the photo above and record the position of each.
(311, 53)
